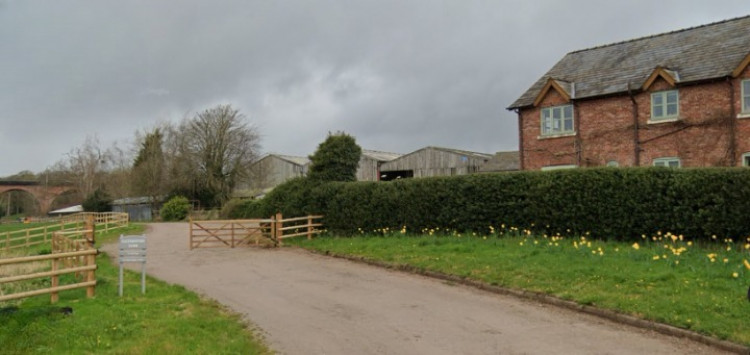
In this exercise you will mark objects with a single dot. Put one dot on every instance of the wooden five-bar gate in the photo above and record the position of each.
(234, 233)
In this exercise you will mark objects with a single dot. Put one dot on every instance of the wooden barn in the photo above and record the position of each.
(434, 161)
(273, 169)
(370, 163)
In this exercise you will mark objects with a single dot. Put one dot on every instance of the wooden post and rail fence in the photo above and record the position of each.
(25, 238)
(233, 233)
(73, 252)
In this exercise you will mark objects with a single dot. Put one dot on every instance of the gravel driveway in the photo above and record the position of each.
(311, 304)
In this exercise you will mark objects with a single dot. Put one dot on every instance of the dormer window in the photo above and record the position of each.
(557, 120)
(665, 105)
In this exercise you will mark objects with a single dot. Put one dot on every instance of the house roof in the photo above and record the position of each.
(502, 161)
(380, 156)
(712, 51)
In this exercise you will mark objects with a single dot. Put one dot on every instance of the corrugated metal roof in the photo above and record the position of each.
(133, 201)
(380, 156)
(301, 161)
(695, 54)
(460, 152)
(71, 209)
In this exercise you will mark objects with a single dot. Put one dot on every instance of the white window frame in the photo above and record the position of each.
(746, 159)
(556, 126)
(667, 162)
(663, 96)
(558, 167)
(746, 96)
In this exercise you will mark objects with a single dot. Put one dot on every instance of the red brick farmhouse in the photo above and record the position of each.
(679, 99)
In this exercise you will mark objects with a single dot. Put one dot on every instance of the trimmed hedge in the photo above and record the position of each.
(608, 203)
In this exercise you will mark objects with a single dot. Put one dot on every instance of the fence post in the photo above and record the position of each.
(231, 229)
(278, 224)
(190, 236)
(309, 227)
(55, 282)
(91, 275)
(28, 231)
(90, 231)
(7, 240)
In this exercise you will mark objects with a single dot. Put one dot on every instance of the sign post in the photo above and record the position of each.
(133, 250)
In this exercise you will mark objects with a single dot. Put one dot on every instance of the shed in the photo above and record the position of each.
(370, 163)
(137, 208)
(434, 161)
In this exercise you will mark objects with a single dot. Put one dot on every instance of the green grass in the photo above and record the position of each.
(682, 287)
(10, 227)
(168, 319)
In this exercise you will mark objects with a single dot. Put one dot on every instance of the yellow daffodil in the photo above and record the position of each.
(747, 264)
(636, 246)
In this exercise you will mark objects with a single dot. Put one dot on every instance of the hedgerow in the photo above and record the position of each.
(607, 203)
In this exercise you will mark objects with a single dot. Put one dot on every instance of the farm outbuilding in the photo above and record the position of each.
(274, 169)
(502, 161)
(370, 163)
(434, 161)
(137, 208)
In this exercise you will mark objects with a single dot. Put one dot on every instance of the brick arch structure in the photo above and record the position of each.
(43, 194)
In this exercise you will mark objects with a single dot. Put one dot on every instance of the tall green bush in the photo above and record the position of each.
(176, 209)
(336, 159)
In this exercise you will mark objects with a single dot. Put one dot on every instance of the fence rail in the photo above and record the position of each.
(24, 238)
(233, 233)
(70, 255)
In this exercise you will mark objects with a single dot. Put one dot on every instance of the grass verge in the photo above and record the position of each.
(662, 278)
(168, 319)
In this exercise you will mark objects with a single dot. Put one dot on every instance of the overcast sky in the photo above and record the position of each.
(398, 75)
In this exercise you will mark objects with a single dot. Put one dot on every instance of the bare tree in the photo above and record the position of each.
(86, 165)
(90, 167)
(213, 152)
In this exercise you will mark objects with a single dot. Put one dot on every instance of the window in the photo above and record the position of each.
(667, 162)
(557, 120)
(746, 96)
(664, 105)
(613, 163)
(746, 159)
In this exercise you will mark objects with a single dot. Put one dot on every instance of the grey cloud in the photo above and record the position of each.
(398, 75)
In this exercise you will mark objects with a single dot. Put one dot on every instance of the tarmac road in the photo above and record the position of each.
(305, 303)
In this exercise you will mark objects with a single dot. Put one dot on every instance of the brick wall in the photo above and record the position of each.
(605, 129)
